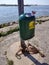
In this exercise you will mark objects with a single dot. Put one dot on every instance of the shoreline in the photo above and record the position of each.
(2, 25)
(8, 24)
(10, 27)
(9, 30)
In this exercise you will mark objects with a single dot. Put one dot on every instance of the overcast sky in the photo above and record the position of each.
(39, 2)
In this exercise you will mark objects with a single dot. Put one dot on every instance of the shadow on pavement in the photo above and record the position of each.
(34, 60)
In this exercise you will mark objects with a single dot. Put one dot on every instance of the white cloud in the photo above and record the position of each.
(43, 2)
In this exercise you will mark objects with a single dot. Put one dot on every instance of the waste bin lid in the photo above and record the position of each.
(25, 15)
(29, 14)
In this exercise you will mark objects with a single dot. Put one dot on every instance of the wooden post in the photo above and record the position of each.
(20, 7)
(21, 11)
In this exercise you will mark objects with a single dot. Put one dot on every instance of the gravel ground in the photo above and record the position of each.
(5, 43)
(41, 40)
(42, 35)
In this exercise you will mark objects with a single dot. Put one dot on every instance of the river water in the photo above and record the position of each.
(10, 13)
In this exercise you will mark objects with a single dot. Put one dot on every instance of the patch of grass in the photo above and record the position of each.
(3, 25)
(10, 62)
(9, 32)
(39, 21)
(12, 30)
(2, 34)
(36, 23)
(7, 24)
(5, 53)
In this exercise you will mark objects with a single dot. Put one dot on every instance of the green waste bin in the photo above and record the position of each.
(27, 26)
